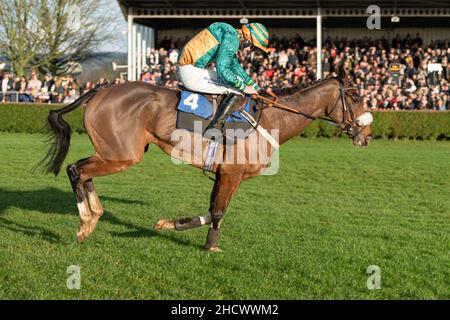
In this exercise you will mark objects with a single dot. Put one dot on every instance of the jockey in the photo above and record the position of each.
(220, 43)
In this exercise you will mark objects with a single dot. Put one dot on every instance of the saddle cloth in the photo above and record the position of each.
(195, 107)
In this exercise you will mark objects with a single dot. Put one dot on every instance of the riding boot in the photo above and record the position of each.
(223, 111)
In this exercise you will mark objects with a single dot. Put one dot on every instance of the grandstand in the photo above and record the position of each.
(149, 21)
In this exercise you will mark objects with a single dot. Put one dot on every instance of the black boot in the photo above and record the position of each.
(223, 111)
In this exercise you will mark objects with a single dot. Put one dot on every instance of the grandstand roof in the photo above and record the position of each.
(194, 14)
(282, 4)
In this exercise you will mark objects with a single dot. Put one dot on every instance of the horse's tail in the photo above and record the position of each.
(60, 135)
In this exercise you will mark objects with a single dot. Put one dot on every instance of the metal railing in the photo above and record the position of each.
(9, 94)
(15, 97)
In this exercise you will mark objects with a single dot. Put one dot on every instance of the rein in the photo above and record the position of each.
(275, 104)
(344, 125)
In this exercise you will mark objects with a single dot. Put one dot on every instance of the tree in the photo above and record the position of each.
(19, 39)
(49, 34)
(74, 29)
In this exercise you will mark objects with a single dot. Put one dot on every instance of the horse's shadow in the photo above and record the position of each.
(53, 200)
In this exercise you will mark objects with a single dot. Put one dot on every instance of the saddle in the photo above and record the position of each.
(196, 110)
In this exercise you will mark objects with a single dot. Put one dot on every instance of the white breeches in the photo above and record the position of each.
(203, 80)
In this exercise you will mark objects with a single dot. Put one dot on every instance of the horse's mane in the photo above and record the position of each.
(299, 87)
(342, 77)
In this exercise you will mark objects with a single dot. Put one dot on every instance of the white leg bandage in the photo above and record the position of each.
(206, 219)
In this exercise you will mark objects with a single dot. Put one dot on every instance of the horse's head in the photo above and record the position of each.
(349, 113)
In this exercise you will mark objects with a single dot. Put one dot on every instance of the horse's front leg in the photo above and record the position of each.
(183, 223)
(224, 188)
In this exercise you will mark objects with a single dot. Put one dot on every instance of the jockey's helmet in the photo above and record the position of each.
(257, 34)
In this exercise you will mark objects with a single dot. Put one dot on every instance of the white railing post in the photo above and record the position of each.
(319, 44)
(130, 47)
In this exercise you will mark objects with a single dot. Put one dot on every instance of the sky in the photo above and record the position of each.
(120, 43)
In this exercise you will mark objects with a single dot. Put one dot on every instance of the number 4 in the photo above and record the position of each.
(192, 101)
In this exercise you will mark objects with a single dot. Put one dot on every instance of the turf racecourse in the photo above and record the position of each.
(308, 232)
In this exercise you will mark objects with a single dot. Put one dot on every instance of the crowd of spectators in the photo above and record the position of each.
(388, 74)
(64, 89)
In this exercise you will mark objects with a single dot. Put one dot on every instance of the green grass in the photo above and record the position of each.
(309, 232)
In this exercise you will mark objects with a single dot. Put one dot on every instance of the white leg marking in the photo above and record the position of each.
(205, 219)
(83, 211)
(95, 203)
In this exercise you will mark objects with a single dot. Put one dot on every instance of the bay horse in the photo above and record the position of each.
(122, 120)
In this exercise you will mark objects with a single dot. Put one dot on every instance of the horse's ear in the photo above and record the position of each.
(343, 76)
(341, 71)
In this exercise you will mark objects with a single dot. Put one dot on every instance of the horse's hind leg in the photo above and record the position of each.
(94, 202)
(82, 203)
(80, 175)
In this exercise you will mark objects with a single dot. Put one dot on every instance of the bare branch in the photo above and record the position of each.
(50, 33)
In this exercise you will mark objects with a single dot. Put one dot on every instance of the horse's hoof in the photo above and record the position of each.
(80, 237)
(164, 224)
(214, 249)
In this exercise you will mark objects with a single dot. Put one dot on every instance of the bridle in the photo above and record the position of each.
(350, 127)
